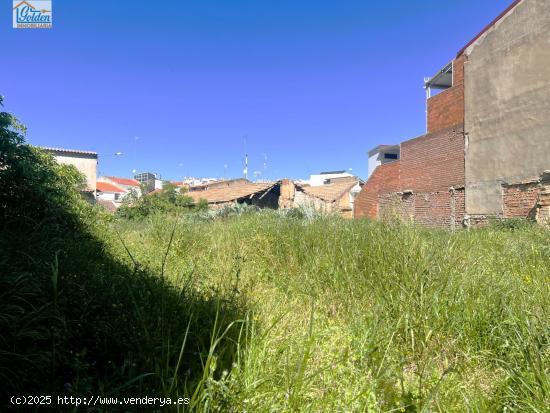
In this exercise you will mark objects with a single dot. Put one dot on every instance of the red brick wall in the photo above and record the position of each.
(444, 209)
(520, 201)
(433, 162)
(447, 108)
(384, 179)
(418, 186)
(439, 209)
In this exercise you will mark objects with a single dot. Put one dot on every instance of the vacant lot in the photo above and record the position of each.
(262, 311)
(359, 316)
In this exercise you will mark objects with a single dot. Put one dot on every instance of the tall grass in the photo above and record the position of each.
(360, 316)
(79, 317)
(245, 310)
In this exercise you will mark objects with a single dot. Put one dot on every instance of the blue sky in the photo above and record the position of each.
(180, 86)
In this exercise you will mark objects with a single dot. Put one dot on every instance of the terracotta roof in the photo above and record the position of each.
(123, 181)
(330, 192)
(75, 151)
(230, 193)
(107, 187)
(490, 25)
(180, 184)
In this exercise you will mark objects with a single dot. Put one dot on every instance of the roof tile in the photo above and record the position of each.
(124, 181)
(330, 192)
(230, 193)
(108, 187)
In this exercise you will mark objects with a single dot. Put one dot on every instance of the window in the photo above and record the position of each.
(391, 156)
(117, 197)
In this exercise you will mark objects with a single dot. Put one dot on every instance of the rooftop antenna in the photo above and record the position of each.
(245, 170)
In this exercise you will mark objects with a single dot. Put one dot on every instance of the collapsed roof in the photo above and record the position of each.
(231, 193)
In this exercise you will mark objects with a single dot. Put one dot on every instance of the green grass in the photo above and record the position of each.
(258, 311)
(360, 316)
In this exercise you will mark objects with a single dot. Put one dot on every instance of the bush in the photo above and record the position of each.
(75, 317)
(511, 224)
(167, 201)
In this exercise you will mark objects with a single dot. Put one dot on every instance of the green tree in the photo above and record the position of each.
(170, 199)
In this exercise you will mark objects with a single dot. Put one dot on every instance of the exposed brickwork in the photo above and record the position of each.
(425, 186)
(543, 204)
(520, 200)
(443, 209)
(447, 108)
(458, 70)
(384, 179)
(433, 162)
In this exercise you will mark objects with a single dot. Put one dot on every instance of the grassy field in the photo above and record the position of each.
(334, 315)
(247, 311)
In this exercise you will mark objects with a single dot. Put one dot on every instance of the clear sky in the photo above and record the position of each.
(178, 86)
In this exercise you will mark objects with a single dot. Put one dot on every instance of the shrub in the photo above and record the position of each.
(511, 224)
(78, 319)
(167, 201)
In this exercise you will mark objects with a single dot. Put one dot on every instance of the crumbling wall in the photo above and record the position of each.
(529, 200)
(520, 200)
(288, 190)
(443, 209)
(543, 210)
(345, 206)
(301, 199)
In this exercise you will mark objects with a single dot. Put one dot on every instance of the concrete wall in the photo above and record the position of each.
(374, 162)
(109, 196)
(507, 106)
(86, 164)
(318, 180)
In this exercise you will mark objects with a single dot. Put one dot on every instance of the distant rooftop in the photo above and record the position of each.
(107, 187)
(235, 192)
(383, 148)
(332, 172)
(124, 181)
(64, 150)
(333, 190)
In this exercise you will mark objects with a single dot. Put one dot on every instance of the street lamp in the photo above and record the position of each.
(108, 155)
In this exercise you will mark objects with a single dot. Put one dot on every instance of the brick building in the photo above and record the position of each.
(486, 152)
